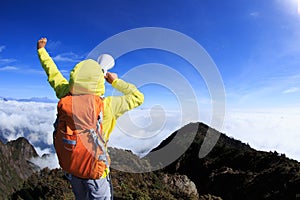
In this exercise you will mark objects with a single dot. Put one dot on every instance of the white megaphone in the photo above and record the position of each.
(106, 61)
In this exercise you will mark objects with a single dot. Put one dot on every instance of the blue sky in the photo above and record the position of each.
(254, 44)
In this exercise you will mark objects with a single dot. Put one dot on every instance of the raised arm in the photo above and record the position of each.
(55, 78)
(132, 97)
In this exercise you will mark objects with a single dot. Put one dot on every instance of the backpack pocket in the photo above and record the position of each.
(69, 139)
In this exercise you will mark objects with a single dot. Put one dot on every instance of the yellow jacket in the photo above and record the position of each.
(87, 77)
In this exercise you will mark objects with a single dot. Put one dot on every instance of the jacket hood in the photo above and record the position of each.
(87, 78)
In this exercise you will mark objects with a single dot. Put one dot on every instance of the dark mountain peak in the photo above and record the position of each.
(3, 99)
(22, 149)
(234, 170)
(193, 134)
(180, 134)
(15, 165)
(19, 142)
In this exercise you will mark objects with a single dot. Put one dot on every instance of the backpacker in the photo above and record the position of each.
(78, 138)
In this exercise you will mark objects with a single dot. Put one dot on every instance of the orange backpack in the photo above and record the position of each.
(78, 138)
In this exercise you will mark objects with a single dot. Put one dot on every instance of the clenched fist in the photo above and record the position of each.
(110, 77)
(41, 43)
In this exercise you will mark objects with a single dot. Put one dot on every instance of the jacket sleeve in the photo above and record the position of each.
(132, 98)
(55, 78)
(115, 106)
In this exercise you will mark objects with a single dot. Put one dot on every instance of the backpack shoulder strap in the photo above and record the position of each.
(98, 135)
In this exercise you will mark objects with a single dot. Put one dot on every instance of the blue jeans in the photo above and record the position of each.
(89, 189)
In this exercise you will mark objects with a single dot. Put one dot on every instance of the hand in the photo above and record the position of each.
(110, 77)
(41, 43)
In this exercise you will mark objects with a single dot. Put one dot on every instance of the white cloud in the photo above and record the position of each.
(9, 68)
(66, 73)
(141, 130)
(50, 161)
(266, 129)
(67, 57)
(291, 90)
(254, 14)
(33, 121)
(42, 152)
(53, 45)
(262, 93)
(29, 119)
(33, 71)
(23, 71)
(2, 47)
(6, 60)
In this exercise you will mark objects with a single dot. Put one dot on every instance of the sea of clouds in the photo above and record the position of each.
(266, 129)
(141, 130)
(33, 121)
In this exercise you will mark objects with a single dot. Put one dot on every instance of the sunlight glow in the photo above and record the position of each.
(298, 6)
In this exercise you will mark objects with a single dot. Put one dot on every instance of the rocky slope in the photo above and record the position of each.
(15, 165)
(51, 184)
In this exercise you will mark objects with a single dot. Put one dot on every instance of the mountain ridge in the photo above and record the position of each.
(232, 170)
